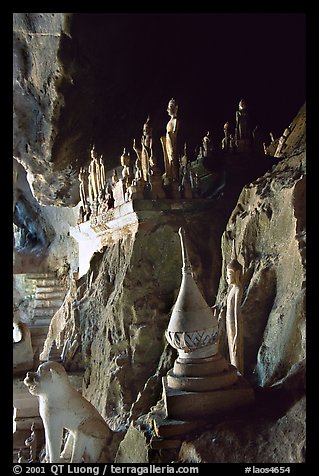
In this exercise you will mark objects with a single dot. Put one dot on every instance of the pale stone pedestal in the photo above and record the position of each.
(196, 388)
(186, 405)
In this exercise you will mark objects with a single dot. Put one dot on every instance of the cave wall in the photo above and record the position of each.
(42, 241)
(39, 82)
(269, 228)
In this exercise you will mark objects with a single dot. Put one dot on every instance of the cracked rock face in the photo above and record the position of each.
(38, 82)
(269, 227)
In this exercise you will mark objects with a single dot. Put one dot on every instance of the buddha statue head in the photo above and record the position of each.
(234, 268)
(172, 108)
(93, 153)
(242, 104)
(147, 130)
(125, 158)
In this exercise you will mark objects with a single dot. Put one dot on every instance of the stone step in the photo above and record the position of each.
(40, 275)
(27, 409)
(45, 282)
(45, 312)
(165, 427)
(190, 405)
(25, 423)
(25, 404)
(51, 289)
(204, 383)
(49, 295)
(38, 329)
(43, 322)
(47, 303)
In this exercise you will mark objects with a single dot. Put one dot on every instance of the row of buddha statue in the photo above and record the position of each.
(144, 178)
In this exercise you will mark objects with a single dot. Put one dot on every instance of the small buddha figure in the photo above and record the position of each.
(154, 168)
(83, 178)
(207, 147)
(125, 162)
(102, 174)
(226, 139)
(234, 320)
(183, 162)
(91, 193)
(115, 178)
(94, 177)
(200, 153)
(242, 123)
(169, 142)
(138, 174)
(146, 151)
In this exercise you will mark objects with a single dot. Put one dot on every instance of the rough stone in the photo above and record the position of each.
(38, 100)
(134, 448)
(245, 441)
(268, 224)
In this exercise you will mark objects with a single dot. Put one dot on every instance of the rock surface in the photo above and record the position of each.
(269, 227)
(39, 80)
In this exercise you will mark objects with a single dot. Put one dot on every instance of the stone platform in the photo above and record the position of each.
(191, 405)
(127, 218)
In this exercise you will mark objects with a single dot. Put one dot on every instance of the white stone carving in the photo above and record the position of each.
(62, 406)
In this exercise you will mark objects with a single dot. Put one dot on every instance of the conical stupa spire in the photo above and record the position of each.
(187, 267)
(193, 328)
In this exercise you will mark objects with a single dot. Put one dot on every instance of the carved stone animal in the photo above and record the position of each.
(62, 406)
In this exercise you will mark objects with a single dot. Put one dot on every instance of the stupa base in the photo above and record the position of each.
(190, 405)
